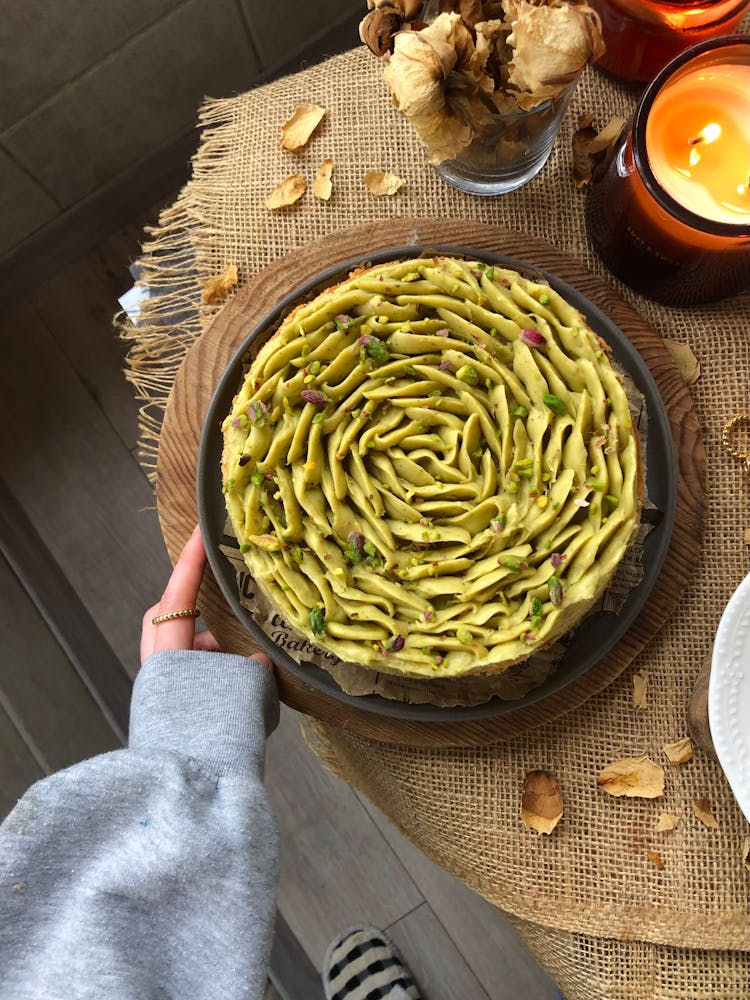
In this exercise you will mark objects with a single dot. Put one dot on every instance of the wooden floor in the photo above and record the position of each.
(81, 557)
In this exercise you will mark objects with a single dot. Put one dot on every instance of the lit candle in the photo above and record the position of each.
(671, 217)
(642, 36)
(698, 142)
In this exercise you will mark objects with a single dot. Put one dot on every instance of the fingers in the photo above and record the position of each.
(263, 659)
(181, 592)
(206, 642)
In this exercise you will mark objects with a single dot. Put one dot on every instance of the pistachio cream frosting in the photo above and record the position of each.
(431, 468)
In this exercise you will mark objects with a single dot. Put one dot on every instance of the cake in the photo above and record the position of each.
(431, 467)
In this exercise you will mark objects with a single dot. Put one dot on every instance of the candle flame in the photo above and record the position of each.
(710, 133)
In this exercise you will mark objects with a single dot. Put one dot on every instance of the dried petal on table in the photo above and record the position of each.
(666, 822)
(541, 802)
(380, 182)
(551, 45)
(593, 150)
(640, 686)
(217, 287)
(656, 860)
(322, 186)
(287, 192)
(636, 777)
(746, 853)
(296, 131)
(702, 809)
(687, 363)
(680, 752)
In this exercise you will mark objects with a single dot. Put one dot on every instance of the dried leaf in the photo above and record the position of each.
(380, 182)
(287, 192)
(541, 802)
(680, 752)
(640, 685)
(593, 150)
(666, 822)
(702, 809)
(296, 131)
(746, 853)
(687, 363)
(636, 777)
(656, 859)
(216, 288)
(746, 536)
(322, 186)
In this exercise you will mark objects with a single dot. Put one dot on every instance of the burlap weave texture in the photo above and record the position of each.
(592, 879)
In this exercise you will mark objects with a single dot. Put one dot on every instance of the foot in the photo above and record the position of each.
(362, 963)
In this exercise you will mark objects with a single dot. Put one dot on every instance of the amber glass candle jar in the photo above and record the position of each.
(642, 36)
(671, 216)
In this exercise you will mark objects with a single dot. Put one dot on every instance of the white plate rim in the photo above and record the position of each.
(729, 694)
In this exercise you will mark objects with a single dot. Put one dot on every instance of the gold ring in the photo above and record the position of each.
(741, 419)
(185, 613)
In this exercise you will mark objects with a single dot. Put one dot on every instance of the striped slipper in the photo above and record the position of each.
(362, 963)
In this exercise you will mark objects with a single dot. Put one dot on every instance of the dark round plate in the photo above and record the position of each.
(602, 630)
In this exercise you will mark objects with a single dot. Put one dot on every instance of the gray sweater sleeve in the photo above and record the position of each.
(151, 872)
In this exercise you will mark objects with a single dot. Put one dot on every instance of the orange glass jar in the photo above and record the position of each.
(642, 36)
(671, 216)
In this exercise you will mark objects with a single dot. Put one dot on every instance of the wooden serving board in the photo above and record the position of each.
(212, 352)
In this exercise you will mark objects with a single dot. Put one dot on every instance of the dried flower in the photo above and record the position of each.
(666, 822)
(702, 810)
(296, 131)
(436, 77)
(473, 58)
(640, 687)
(541, 802)
(322, 186)
(216, 288)
(287, 192)
(592, 150)
(656, 859)
(680, 752)
(687, 363)
(551, 44)
(380, 183)
(386, 17)
(635, 777)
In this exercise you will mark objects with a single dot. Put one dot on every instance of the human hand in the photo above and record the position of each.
(181, 593)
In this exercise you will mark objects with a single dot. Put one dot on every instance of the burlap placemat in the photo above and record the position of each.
(593, 879)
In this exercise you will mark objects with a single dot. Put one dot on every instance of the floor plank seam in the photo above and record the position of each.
(24, 734)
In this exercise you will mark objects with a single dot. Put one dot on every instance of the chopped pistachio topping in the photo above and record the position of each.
(555, 404)
(555, 590)
(317, 621)
(468, 374)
